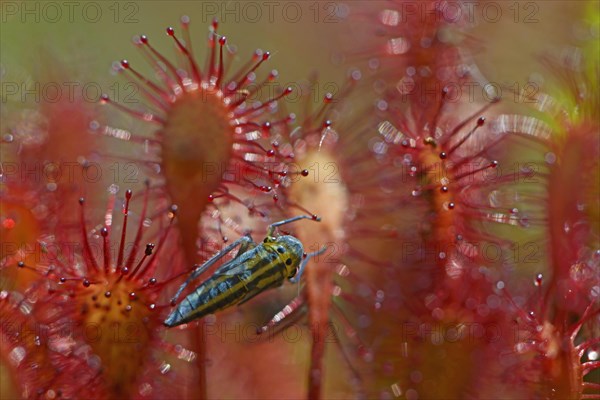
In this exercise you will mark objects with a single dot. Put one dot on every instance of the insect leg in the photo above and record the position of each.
(249, 245)
(296, 278)
(272, 227)
(244, 241)
(245, 246)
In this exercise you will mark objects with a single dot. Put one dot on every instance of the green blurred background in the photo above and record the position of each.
(302, 35)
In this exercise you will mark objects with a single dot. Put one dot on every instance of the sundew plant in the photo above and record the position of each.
(439, 160)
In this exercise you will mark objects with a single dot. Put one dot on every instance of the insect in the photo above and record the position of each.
(255, 268)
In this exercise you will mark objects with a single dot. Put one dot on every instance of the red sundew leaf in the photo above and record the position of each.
(326, 158)
(422, 214)
(107, 310)
(567, 171)
(570, 187)
(212, 140)
(557, 324)
(415, 49)
(31, 207)
(44, 167)
(46, 138)
(546, 359)
(121, 301)
(215, 144)
(329, 201)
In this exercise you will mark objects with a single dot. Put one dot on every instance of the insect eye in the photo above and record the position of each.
(266, 240)
(280, 250)
(288, 261)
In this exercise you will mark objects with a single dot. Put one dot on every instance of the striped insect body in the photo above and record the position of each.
(255, 269)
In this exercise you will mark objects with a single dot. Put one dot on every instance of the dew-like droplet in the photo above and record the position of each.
(94, 362)
(412, 394)
(396, 390)
(521, 348)
(493, 301)
(149, 249)
(416, 376)
(524, 221)
(17, 355)
(145, 389)
(164, 368)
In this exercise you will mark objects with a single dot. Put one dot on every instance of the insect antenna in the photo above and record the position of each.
(274, 225)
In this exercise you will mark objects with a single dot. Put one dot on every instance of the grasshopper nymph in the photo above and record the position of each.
(255, 268)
